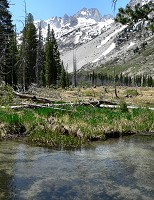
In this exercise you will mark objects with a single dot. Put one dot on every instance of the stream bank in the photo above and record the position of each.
(53, 128)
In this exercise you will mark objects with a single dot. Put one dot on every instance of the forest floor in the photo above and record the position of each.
(139, 96)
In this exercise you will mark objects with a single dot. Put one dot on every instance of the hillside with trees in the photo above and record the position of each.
(37, 60)
(33, 60)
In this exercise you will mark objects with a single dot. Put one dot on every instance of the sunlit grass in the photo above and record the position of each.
(84, 123)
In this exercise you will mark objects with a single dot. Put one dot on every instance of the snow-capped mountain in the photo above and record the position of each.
(98, 50)
(72, 31)
(92, 13)
(97, 40)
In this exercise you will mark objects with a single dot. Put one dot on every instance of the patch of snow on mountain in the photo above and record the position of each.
(83, 13)
(111, 47)
(78, 29)
(83, 21)
(131, 44)
(77, 38)
(103, 42)
(105, 23)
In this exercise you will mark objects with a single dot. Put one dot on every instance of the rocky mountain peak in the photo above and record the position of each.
(92, 13)
(65, 19)
(78, 29)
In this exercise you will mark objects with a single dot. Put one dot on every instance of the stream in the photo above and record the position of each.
(117, 169)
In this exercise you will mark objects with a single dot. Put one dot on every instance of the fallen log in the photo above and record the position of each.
(85, 103)
(54, 106)
(117, 106)
(32, 97)
(44, 100)
(33, 106)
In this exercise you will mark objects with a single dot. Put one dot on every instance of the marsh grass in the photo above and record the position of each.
(8, 117)
(90, 122)
(53, 139)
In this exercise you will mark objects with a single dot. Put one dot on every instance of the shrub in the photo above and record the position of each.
(132, 92)
(6, 95)
(123, 106)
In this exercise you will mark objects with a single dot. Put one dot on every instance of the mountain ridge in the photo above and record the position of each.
(71, 31)
(98, 40)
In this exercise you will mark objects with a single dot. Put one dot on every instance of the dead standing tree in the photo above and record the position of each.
(74, 78)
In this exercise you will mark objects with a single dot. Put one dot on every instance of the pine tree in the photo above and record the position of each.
(63, 81)
(13, 60)
(39, 70)
(121, 79)
(67, 78)
(28, 51)
(6, 33)
(150, 81)
(52, 59)
(56, 56)
(144, 81)
(49, 60)
(126, 80)
(93, 78)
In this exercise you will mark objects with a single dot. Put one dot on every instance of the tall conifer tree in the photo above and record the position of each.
(39, 70)
(13, 60)
(63, 77)
(6, 33)
(52, 59)
(56, 55)
(49, 61)
(28, 51)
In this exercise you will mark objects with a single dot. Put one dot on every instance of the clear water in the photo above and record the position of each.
(114, 169)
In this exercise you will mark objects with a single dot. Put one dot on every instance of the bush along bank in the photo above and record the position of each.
(60, 128)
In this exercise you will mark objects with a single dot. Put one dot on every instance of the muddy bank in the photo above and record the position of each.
(11, 131)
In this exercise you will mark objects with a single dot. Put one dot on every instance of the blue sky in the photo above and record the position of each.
(45, 9)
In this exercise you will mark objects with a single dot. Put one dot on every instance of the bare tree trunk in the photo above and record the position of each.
(74, 70)
(115, 88)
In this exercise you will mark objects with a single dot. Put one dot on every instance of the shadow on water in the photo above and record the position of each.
(115, 169)
(6, 186)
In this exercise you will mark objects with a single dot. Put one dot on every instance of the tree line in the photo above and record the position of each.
(120, 80)
(32, 59)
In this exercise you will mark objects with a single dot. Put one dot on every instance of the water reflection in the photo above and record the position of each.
(115, 169)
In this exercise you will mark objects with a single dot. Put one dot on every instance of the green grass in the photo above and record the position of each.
(7, 117)
(88, 121)
(132, 92)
